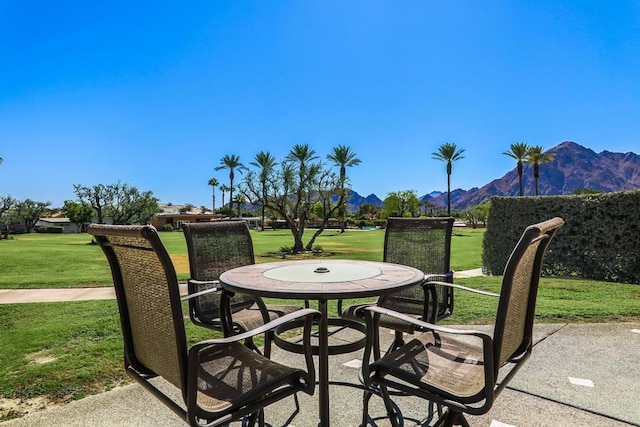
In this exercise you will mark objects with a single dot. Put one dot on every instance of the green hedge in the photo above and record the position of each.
(51, 229)
(600, 239)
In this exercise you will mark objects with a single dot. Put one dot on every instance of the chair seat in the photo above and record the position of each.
(437, 362)
(354, 313)
(251, 318)
(233, 373)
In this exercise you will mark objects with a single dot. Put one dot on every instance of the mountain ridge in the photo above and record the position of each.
(574, 167)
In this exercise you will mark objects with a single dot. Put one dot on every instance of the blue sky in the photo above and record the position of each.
(154, 94)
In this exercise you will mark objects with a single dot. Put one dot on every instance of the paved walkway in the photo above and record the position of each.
(16, 296)
(578, 375)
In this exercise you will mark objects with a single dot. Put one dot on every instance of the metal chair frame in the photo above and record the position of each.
(425, 244)
(506, 349)
(155, 342)
(213, 248)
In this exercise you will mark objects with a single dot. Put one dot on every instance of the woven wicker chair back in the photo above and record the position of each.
(215, 247)
(516, 309)
(148, 299)
(425, 244)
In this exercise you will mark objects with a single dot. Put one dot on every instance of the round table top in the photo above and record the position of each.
(321, 279)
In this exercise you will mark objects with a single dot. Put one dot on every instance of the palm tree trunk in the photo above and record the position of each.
(536, 175)
(449, 190)
(520, 177)
(231, 197)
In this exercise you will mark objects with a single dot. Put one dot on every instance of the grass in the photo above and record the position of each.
(65, 351)
(70, 260)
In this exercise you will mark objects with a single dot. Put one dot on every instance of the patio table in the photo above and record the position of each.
(321, 280)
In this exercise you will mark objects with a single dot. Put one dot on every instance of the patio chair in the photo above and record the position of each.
(460, 369)
(213, 248)
(220, 380)
(425, 244)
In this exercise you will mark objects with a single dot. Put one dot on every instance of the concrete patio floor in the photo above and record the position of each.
(578, 375)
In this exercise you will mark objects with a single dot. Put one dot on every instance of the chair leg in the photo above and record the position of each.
(268, 338)
(452, 419)
(366, 396)
(398, 341)
(394, 417)
(249, 420)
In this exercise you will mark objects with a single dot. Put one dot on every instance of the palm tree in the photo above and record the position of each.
(449, 153)
(343, 157)
(231, 162)
(223, 189)
(302, 154)
(266, 162)
(213, 183)
(519, 151)
(536, 157)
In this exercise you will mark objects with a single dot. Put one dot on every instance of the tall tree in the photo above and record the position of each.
(224, 189)
(98, 197)
(7, 214)
(519, 151)
(292, 190)
(78, 213)
(536, 157)
(323, 190)
(131, 206)
(301, 157)
(266, 163)
(449, 153)
(343, 157)
(231, 162)
(30, 211)
(213, 183)
(402, 203)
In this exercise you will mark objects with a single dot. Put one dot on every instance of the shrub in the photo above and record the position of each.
(599, 240)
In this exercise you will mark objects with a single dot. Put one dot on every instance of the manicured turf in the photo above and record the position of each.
(70, 260)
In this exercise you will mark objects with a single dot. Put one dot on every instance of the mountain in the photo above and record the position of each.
(356, 200)
(573, 167)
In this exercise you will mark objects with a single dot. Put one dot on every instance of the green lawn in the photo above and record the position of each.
(70, 260)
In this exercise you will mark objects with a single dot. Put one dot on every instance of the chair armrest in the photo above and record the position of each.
(206, 291)
(260, 330)
(428, 277)
(372, 347)
(203, 282)
(426, 325)
(464, 288)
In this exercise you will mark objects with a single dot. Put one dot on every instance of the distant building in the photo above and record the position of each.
(175, 219)
(58, 225)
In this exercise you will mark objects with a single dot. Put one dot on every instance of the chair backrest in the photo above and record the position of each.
(148, 300)
(513, 334)
(425, 244)
(422, 243)
(215, 247)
